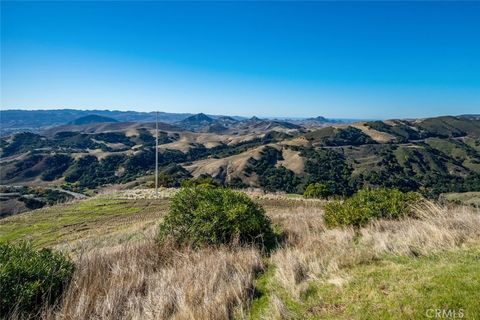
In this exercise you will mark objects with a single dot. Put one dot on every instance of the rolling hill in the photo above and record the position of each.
(433, 155)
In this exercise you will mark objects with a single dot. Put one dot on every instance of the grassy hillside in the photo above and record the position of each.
(385, 270)
(391, 288)
(82, 220)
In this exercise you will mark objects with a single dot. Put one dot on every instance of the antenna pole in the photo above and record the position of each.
(156, 155)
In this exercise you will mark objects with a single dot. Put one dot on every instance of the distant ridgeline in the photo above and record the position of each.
(36, 120)
(93, 118)
(433, 155)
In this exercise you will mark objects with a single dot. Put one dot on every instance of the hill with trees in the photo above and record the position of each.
(432, 156)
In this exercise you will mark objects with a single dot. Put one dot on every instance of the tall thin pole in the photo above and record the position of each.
(156, 155)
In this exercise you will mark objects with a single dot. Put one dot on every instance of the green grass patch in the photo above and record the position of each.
(399, 288)
(474, 143)
(452, 148)
(61, 223)
(263, 290)
(266, 286)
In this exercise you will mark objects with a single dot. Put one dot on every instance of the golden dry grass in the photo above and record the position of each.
(142, 280)
(314, 252)
(147, 281)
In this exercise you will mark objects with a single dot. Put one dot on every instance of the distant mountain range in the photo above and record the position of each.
(37, 120)
(93, 118)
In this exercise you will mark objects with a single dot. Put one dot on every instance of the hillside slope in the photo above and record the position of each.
(385, 270)
(433, 156)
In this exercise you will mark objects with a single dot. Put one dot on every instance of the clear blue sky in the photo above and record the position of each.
(337, 59)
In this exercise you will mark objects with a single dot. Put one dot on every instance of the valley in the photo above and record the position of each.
(432, 156)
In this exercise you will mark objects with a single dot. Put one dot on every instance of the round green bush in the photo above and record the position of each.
(368, 204)
(31, 278)
(317, 190)
(202, 216)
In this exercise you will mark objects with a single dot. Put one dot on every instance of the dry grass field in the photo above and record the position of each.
(386, 270)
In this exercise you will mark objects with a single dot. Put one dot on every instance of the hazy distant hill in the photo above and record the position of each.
(195, 122)
(92, 118)
(99, 127)
(318, 122)
(35, 120)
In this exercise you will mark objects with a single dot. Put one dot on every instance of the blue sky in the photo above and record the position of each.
(336, 59)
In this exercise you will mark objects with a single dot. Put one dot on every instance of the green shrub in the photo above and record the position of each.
(204, 215)
(317, 190)
(200, 181)
(368, 204)
(31, 278)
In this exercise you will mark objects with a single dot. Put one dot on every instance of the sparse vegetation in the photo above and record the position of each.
(31, 279)
(369, 204)
(400, 130)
